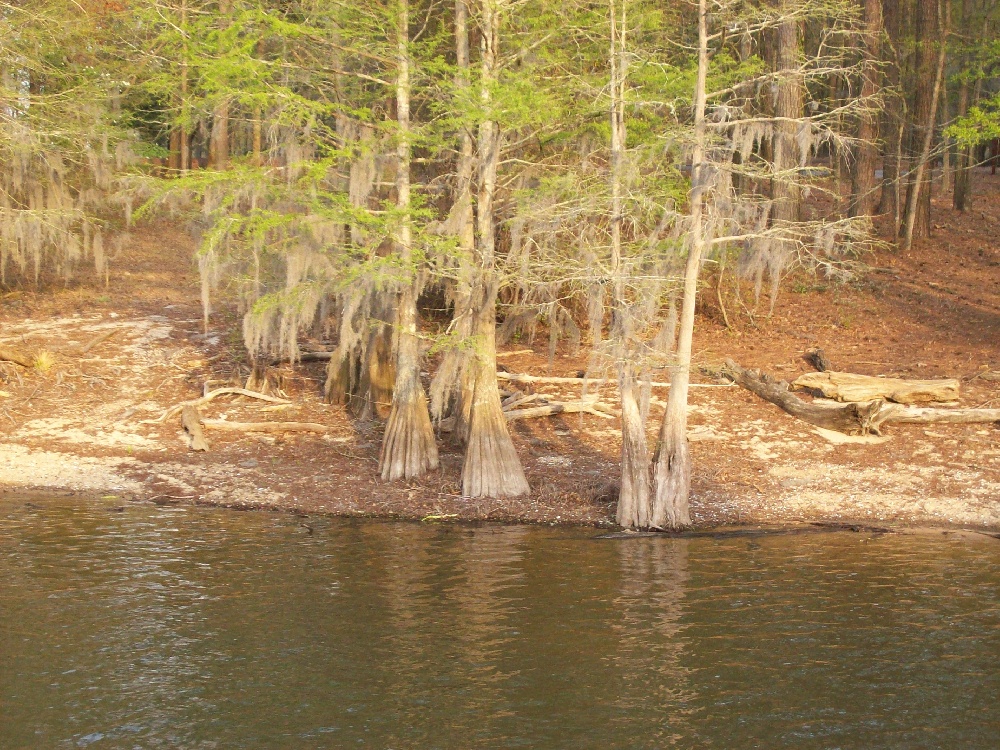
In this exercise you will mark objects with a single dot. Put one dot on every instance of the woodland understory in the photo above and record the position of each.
(456, 219)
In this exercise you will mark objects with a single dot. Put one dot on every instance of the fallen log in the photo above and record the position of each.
(173, 410)
(7, 354)
(191, 422)
(225, 424)
(587, 406)
(852, 419)
(845, 386)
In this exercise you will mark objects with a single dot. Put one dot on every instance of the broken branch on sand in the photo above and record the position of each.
(191, 422)
(587, 406)
(98, 340)
(851, 418)
(174, 410)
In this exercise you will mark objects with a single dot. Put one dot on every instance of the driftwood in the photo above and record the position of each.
(852, 418)
(225, 424)
(587, 406)
(844, 386)
(7, 354)
(174, 410)
(191, 421)
(525, 378)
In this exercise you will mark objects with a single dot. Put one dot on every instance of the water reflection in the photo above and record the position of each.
(197, 628)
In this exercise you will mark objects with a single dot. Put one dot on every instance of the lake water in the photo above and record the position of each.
(149, 627)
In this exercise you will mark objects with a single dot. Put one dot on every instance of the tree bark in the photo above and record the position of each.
(492, 467)
(408, 448)
(962, 198)
(892, 122)
(635, 497)
(917, 218)
(788, 107)
(863, 187)
(672, 478)
(218, 147)
(918, 208)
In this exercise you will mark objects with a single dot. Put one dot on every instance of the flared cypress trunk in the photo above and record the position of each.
(408, 448)
(492, 467)
(634, 495)
(672, 470)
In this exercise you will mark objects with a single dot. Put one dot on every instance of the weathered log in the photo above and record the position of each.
(191, 421)
(173, 410)
(225, 424)
(7, 354)
(586, 406)
(845, 386)
(852, 419)
(925, 415)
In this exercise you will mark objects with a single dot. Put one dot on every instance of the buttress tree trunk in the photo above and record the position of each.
(672, 473)
(863, 183)
(408, 447)
(635, 496)
(492, 467)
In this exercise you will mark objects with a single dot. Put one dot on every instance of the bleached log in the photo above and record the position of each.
(225, 424)
(7, 354)
(926, 415)
(174, 410)
(191, 422)
(586, 406)
(845, 386)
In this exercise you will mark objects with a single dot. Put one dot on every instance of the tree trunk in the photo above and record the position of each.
(892, 121)
(788, 107)
(408, 448)
(946, 170)
(863, 185)
(218, 146)
(962, 198)
(918, 210)
(634, 498)
(918, 189)
(258, 140)
(185, 139)
(672, 478)
(492, 467)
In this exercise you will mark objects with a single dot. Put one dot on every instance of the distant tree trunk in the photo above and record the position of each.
(185, 151)
(962, 198)
(218, 147)
(174, 158)
(492, 467)
(408, 448)
(914, 215)
(634, 498)
(892, 121)
(258, 140)
(863, 197)
(946, 171)
(672, 478)
(788, 107)
(918, 191)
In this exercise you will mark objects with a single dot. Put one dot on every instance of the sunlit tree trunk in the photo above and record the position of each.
(492, 467)
(962, 198)
(408, 448)
(672, 477)
(185, 139)
(634, 508)
(788, 109)
(218, 147)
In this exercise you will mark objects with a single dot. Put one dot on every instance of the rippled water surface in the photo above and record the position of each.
(149, 627)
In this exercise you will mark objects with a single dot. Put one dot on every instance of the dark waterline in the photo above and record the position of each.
(198, 628)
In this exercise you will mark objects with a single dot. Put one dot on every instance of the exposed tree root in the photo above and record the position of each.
(176, 409)
(191, 421)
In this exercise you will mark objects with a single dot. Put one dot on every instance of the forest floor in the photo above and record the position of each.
(82, 424)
